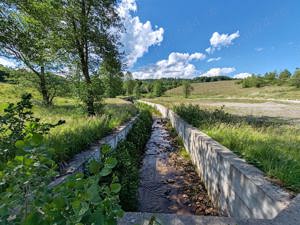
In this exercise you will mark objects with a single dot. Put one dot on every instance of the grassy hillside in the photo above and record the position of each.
(79, 130)
(229, 89)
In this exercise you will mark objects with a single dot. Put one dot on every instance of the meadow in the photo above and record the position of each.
(269, 140)
(230, 89)
(79, 130)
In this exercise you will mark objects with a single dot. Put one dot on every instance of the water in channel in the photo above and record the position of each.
(168, 181)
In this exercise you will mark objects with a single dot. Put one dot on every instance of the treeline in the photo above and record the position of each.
(149, 87)
(210, 79)
(67, 85)
(285, 77)
(157, 87)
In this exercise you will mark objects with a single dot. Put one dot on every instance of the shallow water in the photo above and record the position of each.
(165, 179)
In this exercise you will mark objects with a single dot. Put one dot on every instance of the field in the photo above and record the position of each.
(264, 132)
(79, 130)
(229, 89)
(270, 101)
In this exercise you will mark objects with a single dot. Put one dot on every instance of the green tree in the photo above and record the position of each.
(111, 76)
(270, 76)
(187, 88)
(157, 88)
(285, 74)
(129, 83)
(4, 74)
(296, 78)
(25, 35)
(137, 90)
(86, 30)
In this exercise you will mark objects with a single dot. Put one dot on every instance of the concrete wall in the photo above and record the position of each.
(238, 189)
(79, 161)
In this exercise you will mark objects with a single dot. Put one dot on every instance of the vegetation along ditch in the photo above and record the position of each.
(168, 180)
(272, 146)
(108, 187)
(99, 195)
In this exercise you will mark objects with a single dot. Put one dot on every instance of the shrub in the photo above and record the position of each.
(253, 81)
(27, 198)
(129, 154)
(17, 123)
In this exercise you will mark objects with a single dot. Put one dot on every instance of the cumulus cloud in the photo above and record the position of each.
(242, 75)
(177, 65)
(213, 59)
(7, 62)
(218, 72)
(139, 36)
(217, 41)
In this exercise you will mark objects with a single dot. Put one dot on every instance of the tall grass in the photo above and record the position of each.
(79, 130)
(271, 146)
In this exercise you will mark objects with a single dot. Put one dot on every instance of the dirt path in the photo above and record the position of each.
(268, 109)
(169, 183)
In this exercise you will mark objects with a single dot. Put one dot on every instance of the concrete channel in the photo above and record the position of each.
(238, 190)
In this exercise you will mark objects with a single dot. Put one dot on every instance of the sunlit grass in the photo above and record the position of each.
(272, 147)
(79, 130)
(229, 89)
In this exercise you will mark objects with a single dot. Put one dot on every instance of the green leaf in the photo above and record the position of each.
(93, 193)
(94, 167)
(20, 144)
(115, 188)
(84, 208)
(105, 149)
(98, 218)
(76, 206)
(3, 210)
(111, 162)
(19, 159)
(105, 171)
(32, 218)
(36, 140)
(59, 202)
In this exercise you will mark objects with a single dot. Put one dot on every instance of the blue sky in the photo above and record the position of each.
(167, 38)
(268, 30)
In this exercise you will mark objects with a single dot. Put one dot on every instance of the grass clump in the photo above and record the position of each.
(271, 146)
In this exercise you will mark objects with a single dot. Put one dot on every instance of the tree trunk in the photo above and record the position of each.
(90, 96)
(43, 87)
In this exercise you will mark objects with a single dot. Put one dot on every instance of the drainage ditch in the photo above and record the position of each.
(168, 180)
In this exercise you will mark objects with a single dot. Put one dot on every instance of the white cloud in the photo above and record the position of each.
(217, 41)
(218, 72)
(138, 36)
(7, 62)
(177, 65)
(242, 75)
(214, 59)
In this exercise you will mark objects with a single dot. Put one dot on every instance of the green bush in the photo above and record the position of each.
(26, 197)
(129, 155)
(16, 123)
(254, 81)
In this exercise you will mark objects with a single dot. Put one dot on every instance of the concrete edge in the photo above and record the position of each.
(256, 176)
(77, 163)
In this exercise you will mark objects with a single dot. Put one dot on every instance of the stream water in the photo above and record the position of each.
(168, 181)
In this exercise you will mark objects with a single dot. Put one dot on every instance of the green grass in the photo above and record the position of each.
(229, 89)
(79, 130)
(273, 147)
